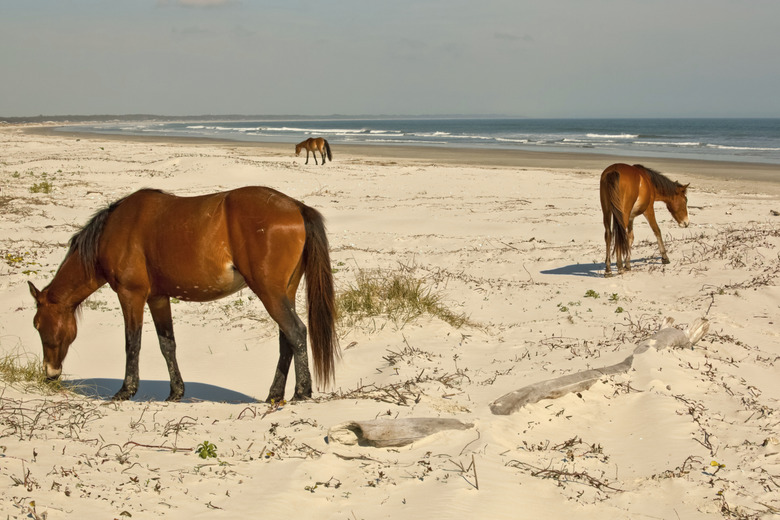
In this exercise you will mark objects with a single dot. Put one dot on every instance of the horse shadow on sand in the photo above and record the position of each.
(103, 388)
(594, 270)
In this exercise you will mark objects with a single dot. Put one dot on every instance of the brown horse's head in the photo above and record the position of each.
(298, 148)
(678, 205)
(56, 325)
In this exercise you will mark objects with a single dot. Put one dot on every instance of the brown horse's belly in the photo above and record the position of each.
(207, 288)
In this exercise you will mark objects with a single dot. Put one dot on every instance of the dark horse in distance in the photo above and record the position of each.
(314, 145)
(628, 191)
(151, 246)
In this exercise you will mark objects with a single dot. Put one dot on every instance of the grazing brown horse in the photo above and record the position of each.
(628, 191)
(314, 145)
(151, 246)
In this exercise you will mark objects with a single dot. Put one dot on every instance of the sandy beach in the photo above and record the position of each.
(511, 240)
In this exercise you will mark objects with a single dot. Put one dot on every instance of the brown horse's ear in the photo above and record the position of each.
(34, 291)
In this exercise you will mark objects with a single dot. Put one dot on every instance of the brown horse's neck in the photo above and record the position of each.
(665, 188)
(72, 285)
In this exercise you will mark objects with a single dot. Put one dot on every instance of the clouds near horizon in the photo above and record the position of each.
(606, 58)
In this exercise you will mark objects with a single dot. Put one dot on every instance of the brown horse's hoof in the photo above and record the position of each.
(122, 396)
(665, 261)
(274, 399)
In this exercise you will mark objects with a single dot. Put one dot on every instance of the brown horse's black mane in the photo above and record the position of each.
(86, 240)
(662, 183)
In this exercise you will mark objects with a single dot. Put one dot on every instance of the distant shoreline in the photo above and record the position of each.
(741, 173)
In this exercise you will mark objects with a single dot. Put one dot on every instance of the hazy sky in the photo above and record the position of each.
(536, 58)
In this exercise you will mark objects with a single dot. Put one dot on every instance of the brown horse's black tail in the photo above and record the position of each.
(618, 229)
(327, 149)
(320, 297)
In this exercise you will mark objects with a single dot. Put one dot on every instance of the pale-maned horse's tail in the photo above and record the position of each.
(320, 297)
(619, 230)
(327, 149)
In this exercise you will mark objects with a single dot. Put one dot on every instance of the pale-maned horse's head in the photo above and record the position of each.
(298, 148)
(678, 205)
(56, 324)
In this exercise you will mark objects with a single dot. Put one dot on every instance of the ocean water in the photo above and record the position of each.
(744, 140)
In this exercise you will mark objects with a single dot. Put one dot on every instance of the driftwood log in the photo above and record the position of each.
(387, 433)
(666, 337)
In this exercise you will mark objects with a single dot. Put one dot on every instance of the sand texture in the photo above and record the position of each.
(513, 245)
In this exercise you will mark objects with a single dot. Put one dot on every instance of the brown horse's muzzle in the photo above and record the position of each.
(52, 374)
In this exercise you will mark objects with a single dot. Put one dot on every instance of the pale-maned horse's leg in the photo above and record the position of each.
(630, 234)
(606, 213)
(619, 256)
(314, 154)
(322, 153)
(133, 311)
(163, 323)
(608, 240)
(650, 216)
(307, 156)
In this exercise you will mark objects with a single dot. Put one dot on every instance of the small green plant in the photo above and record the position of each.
(619, 310)
(206, 450)
(339, 265)
(21, 259)
(42, 187)
(13, 259)
(590, 293)
(613, 297)
(562, 308)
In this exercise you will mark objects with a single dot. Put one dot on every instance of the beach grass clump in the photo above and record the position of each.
(395, 294)
(25, 370)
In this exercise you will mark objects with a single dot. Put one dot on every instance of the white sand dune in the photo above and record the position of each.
(518, 247)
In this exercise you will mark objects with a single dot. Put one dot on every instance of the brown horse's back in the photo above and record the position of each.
(193, 248)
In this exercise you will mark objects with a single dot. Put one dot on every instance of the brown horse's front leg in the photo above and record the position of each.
(650, 216)
(133, 311)
(163, 323)
(132, 352)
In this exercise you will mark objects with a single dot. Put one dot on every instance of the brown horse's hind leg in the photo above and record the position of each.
(163, 323)
(292, 345)
(630, 233)
(608, 241)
